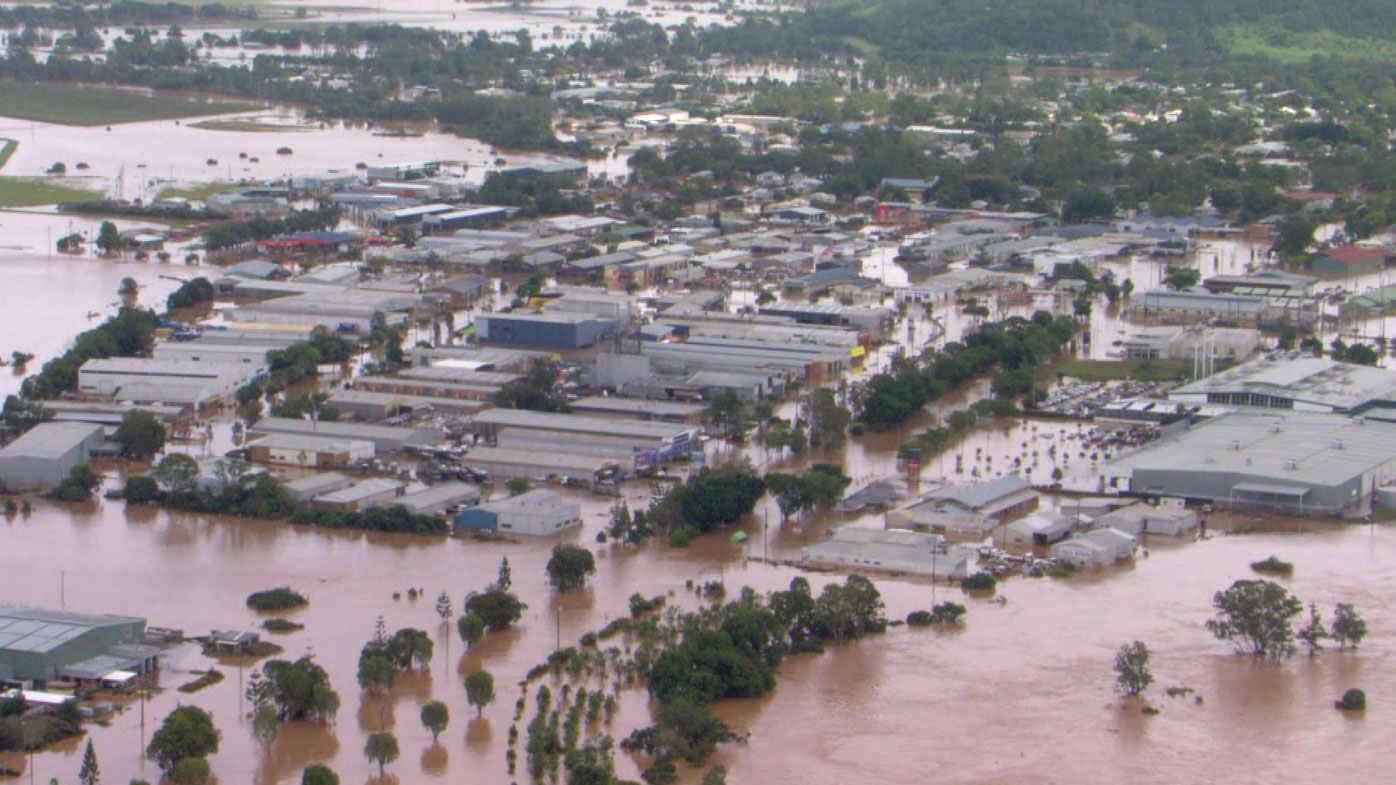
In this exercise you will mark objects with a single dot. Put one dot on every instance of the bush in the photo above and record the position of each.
(1352, 700)
(141, 489)
(682, 537)
(947, 612)
(276, 599)
(979, 581)
(919, 619)
(639, 606)
(281, 625)
(1274, 564)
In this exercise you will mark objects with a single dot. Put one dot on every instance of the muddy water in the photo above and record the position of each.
(1021, 694)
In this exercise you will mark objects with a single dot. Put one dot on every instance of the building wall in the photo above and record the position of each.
(24, 472)
(1217, 486)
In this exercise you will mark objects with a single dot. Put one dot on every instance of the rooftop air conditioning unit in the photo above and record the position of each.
(1291, 464)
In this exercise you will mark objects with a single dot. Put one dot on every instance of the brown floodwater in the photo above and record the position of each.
(1020, 694)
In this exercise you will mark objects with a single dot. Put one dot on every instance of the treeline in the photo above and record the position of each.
(130, 332)
(709, 500)
(234, 233)
(112, 207)
(1017, 347)
(119, 14)
(190, 293)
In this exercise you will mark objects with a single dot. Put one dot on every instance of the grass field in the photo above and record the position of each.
(68, 104)
(31, 191)
(7, 150)
(1289, 46)
(194, 192)
(247, 125)
(1114, 370)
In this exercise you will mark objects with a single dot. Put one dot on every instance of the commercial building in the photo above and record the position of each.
(1095, 548)
(439, 498)
(1221, 344)
(888, 550)
(303, 489)
(1002, 498)
(537, 513)
(634, 408)
(309, 451)
(1169, 517)
(929, 516)
(206, 381)
(546, 330)
(1037, 530)
(532, 464)
(43, 644)
(385, 438)
(1299, 462)
(45, 455)
(1306, 384)
(665, 439)
(369, 493)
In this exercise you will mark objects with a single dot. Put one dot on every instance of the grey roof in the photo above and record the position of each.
(536, 459)
(29, 629)
(534, 498)
(580, 423)
(1313, 380)
(1271, 448)
(314, 483)
(356, 493)
(980, 494)
(445, 493)
(51, 440)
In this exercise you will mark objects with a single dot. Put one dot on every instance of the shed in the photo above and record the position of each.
(45, 455)
(537, 513)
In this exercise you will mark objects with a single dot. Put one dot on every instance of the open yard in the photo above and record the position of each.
(68, 104)
(31, 191)
(1115, 370)
(194, 192)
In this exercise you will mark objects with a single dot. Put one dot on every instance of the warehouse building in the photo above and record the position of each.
(633, 408)
(664, 438)
(1223, 344)
(531, 464)
(1002, 498)
(537, 513)
(439, 498)
(111, 413)
(376, 492)
(889, 550)
(1096, 548)
(303, 489)
(551, 330)
(309, 451)
(379, 398)
(1306, 384)
(42, 644)
(1318, 463)
(385, 438)
(115, 376)
(45, 455)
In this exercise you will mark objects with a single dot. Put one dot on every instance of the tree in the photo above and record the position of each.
(727, 413)
(265, 724)
(381, 749)
(479, 689)
(128, 288)
(108, 237)
(377, 672)
(319, 774)
(187, 732)
(1087, 202)
(1348, 627)
(1313, 633)
(1256, 616)
(516, 485)
(177, 472)
(435, 718)
(141, 435)
(828, 420)
(298, 690)
(569, 567)
(140, 488)
(470, 627)
(1180, 278)
(1132, 668)
(89, 774)
(443, 606)
(190, 771)
(1294, 235)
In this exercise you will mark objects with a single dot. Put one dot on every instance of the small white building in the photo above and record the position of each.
(1036, 530)
(1170, 517)
(1096, 548)
(889, 550)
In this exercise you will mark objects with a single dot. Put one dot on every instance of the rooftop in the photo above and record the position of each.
(49, 440)
(980, 494)
(25, 628)
(1310, 380)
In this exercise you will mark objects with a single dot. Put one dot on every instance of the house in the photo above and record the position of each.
(1002, 498)
(1095, 548)
(802, 216)
(1036, 530)
(536, 513)
(1350, 260)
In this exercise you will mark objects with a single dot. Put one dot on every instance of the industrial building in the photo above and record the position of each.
(42, 644)
(1095, 548)
(545, 330)
(633, 408)
(1222, 344)
(1169, 517)
(439, 498)
(303, 489)
(506, 463)
(385, 438)
(1002, 498)
(1037, 530)
(537, 513)
(1309, 384)
(45, 455)
(381, 397)
(138, 379)
(359, 496)
(664, 439)
(889, 550)
(1299, 462)
(310, 451)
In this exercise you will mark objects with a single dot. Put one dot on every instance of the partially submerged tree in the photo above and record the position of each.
(1256, 616)
(1132, 671)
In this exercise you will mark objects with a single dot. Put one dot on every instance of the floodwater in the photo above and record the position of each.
(1020, 694)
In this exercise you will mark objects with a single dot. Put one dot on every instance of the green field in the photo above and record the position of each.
(31, 191)
(1113, 370)
(194, 192)
(1297, 47)
(249, 125)
(7, 150)
(68, 104)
